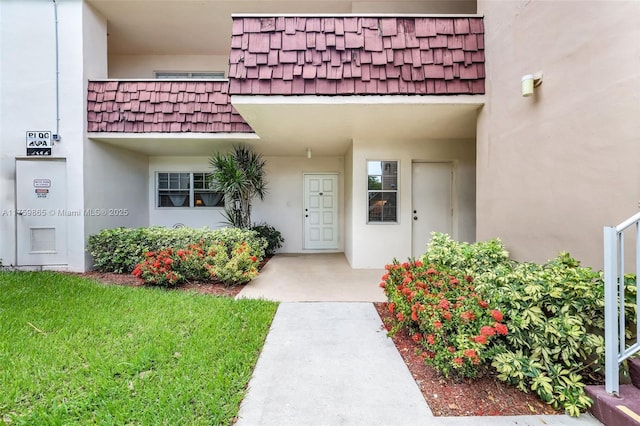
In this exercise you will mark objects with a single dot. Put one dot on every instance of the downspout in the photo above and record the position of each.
(56, 135)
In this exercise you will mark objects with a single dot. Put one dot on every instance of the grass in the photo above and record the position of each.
(74, 351)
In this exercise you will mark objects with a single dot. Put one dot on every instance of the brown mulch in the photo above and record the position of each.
(484, 396)
(130, 280)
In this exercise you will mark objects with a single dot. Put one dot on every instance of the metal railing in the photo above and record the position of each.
(616, 350)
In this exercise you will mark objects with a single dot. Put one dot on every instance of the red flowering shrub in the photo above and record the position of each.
(158, 269)
(218, 262)
(459, 331)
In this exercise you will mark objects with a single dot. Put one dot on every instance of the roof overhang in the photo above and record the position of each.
(288, 125)
(175, 144)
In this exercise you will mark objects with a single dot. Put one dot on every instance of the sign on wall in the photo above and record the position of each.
(38, 143)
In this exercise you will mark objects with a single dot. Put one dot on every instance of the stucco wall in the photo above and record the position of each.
(281, 208)
(553, 169)
(28, 102)
(144, 66)
(283, 205)
(375, 245)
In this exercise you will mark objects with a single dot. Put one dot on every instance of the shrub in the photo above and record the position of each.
(554, 313)
(120, 249)
(232, 267)
(458, 330)
(272, 235)
(219, 262)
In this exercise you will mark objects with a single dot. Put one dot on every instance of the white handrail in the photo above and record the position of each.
(616, 350)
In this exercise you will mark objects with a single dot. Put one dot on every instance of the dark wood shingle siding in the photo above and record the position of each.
(162, 107)
(356, 55)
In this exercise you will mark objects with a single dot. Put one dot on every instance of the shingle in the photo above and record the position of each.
(388, 26)
(259, 43)
(372, 40)
(470, 42)
(461, 26)
(313, 25)
(353, 40)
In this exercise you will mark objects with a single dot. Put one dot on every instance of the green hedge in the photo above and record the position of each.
(120, 249)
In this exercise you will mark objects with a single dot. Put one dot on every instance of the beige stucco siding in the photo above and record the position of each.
(554, 168)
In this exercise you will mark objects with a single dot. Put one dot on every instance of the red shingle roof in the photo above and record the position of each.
(356, 55)
(162, 107)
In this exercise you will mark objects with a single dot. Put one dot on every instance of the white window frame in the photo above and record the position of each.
(383, 190)
(194, 195)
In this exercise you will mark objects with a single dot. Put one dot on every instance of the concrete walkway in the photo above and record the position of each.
(331, 363)
(314, 278)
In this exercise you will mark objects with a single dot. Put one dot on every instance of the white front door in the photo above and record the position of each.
(432, 208)
(41, 215)
(320, 211)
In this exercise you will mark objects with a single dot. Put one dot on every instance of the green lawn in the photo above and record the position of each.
(74, 351)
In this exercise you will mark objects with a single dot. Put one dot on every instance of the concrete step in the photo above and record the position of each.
(634, 371)
(616, 411)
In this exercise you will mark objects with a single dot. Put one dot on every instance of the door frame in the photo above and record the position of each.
(336, 175)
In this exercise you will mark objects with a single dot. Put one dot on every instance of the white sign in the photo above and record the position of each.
(38, 143)
(42, 183)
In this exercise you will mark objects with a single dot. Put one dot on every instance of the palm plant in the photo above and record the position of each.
(240, 175)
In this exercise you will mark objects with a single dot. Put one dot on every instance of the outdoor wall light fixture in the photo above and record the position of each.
(308, 152)
(530, 81)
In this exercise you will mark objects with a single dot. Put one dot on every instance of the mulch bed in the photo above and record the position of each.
(484, 396)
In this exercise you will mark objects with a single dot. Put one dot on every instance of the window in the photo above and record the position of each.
(206, 75)
(187, 190)
(382, 191)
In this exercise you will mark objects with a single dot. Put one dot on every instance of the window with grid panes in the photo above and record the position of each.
(382, 191)
(186, 189)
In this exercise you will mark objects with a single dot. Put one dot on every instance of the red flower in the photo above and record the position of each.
(451, 349)
(418, 263)
(254, 259)
(487, 331)
(443, 304)
(437, 324)
(400, 316)
(447, 316)
(457, 360)
(431, 339)
(382, 285)
(497, 315)
(392, 307)
(416, 337)
(414, 315)
(454, 281)
(483, 304)
(500, 329)
(482, 339)
(470, 353)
